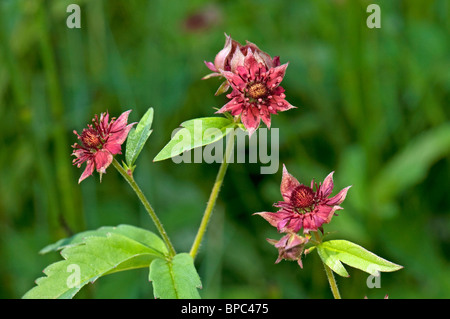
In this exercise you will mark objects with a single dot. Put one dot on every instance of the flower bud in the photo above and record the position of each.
(290, 247)
(232, 56)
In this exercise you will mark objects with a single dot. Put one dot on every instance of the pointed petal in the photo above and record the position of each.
(237, 59)
(252, 65)
(250, 118)
(268, 62)
(283, 242)
(113, 148)
(120, 136)
(296, 223)
(87, 171)
(280, 104)
(260, 59)
(276, 75)
(233, 106)
(236, 82)
(276, 61)
(243, 72)
(327, 187)
(265, 116)
(103, 159)
(288, 184)
(280, 258)
(221, 57)
(311, 222)
(211, 66)
(323, 214)
(295, 240)
(278, 219)
(272, 218)
(262, 56)
(338, 198)
(120, 123)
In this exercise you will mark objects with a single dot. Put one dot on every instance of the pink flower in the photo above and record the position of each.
(99, 142)
(302, 206)
(256, 92)
(290, 247)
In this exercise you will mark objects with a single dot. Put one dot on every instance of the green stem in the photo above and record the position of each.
(213, 196)
(148, 207)
(332, 281)
(329, 272)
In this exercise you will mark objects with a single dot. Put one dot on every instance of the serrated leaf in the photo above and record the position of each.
(143, 236)
(137, 137)
(335, 252)
(195, 133)
(96, 256)
(176, 278)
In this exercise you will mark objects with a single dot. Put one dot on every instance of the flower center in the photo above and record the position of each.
(257, 90)
(90, 138)
(302, 197)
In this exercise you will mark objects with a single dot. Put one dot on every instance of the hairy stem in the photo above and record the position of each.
(329, 272)
(332, 281)
(148, 207)
(213, 196)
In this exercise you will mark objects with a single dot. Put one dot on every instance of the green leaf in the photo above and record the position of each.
(331, 260)
(143, 236)
(335, 252)
(176, 278)
(195, 133)
(97, 254)
(137, 137)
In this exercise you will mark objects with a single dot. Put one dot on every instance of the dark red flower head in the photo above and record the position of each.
(304, 207)
(99, 142)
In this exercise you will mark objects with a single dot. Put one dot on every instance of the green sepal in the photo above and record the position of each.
(137, 137)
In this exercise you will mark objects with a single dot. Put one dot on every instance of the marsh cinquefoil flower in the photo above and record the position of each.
(304, 207)
(100, 142)
(255, 78)
(257, 93)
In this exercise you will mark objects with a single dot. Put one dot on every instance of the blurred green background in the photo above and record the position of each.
(373, 105)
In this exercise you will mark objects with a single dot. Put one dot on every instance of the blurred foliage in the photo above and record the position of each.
(373, 105)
